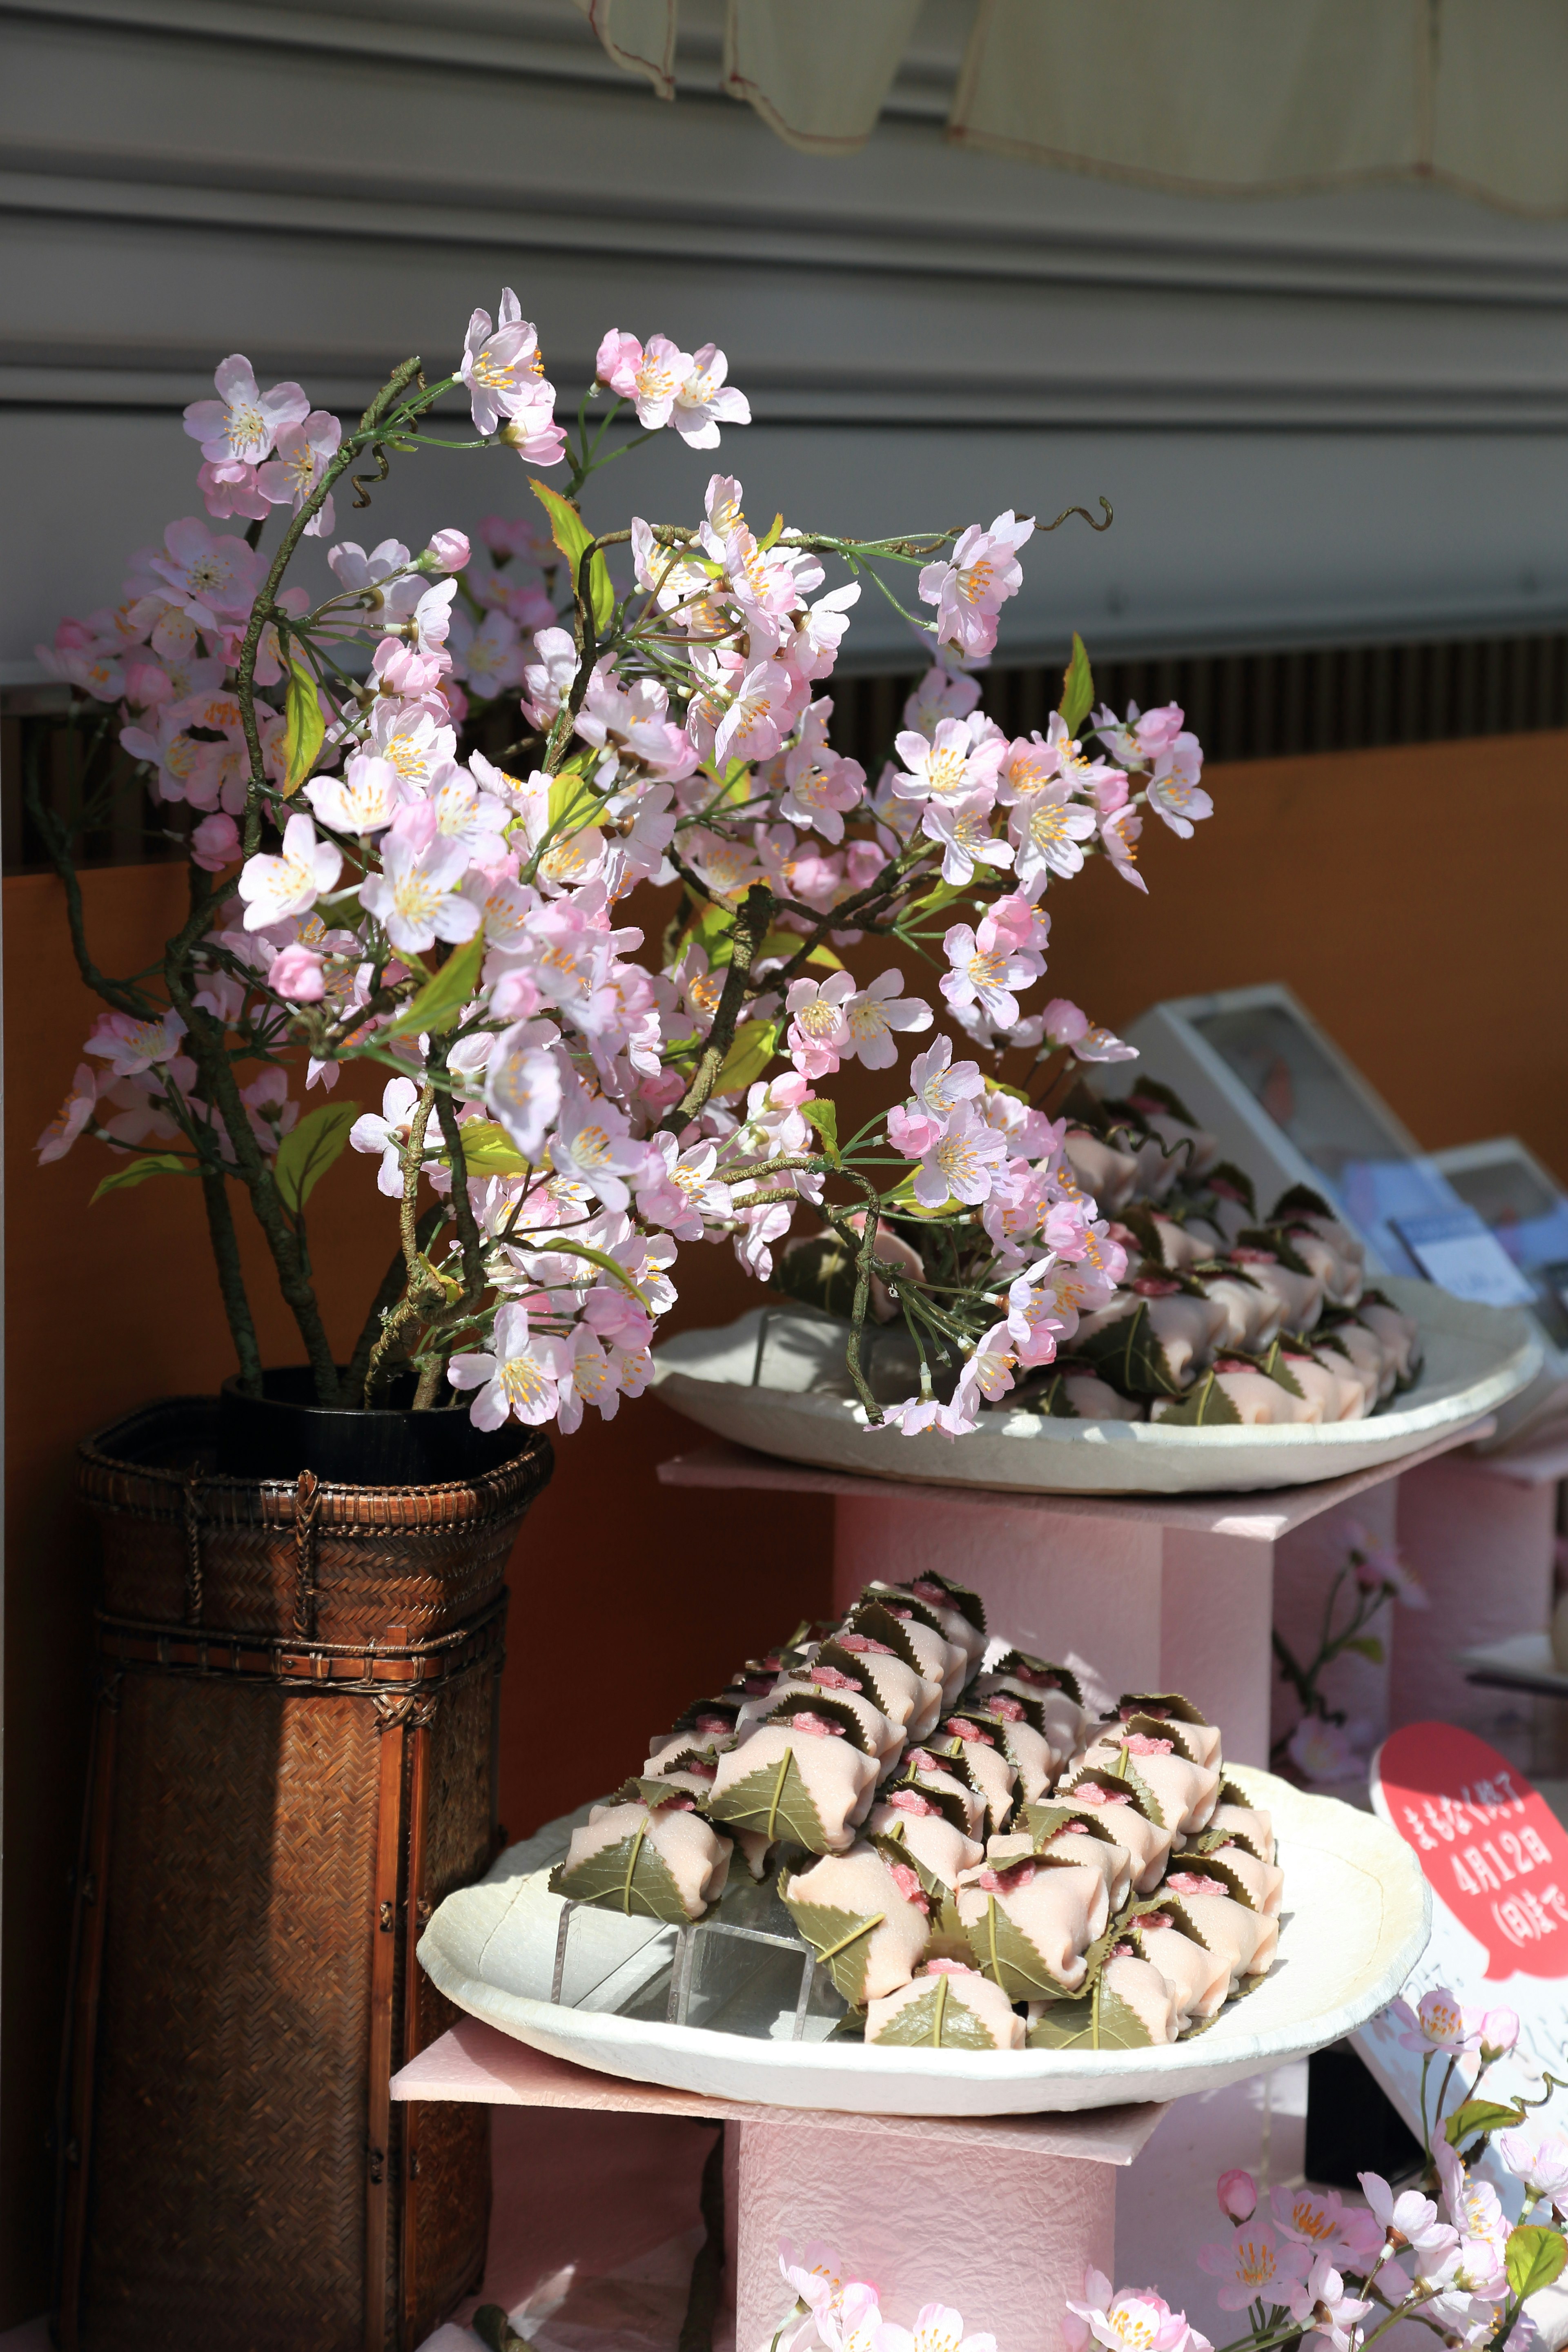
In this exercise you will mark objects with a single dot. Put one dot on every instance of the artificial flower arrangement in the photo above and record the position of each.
(975, 1861)
(1458, 2253)
(559, 1114)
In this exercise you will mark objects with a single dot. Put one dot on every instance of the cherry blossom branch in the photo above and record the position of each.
(393, 1284)
(231, 1279)
(750, 927)
(261, 612)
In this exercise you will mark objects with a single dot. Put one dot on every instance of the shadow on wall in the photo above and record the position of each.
(1412, 898)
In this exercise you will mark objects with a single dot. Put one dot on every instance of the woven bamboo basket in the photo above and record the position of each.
(293, 1763)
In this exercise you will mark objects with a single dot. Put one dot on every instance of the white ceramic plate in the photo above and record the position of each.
(1357, 1918)
(784, 1389)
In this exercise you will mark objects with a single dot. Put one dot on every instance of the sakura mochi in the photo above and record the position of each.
(1028, 1751)
(1264, 1881)
(1184, 1791)
(1251, 1824)
(950, 2006)
(1253, 1314)
(931, 1838)
(1337, 1397)
(1194, 1737)
(1092, 1399)
(1146, 1845)
(1334, 1254)
(1033, 1922)
(929, 1777)
(795, 1781)
(887, 1681)
(1140, 1987)
(825, 1685)
(830, 1904)
(982, 1756)
(1243, 1938)
(1199, 1980)
(1109, 1174)
(1072, 1843)
(1398, 1335)
(635, 1857)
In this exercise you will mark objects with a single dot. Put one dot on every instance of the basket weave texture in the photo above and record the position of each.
(294, 1762)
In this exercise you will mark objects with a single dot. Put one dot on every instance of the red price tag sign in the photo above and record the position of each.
(1491, 1848)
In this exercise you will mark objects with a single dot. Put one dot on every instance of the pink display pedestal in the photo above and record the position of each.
(1479, 1529)
(1167, 1593)
(882, 2186)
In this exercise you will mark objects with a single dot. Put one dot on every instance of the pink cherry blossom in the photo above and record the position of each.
(653, 379)
(940, 1082)
(502, 365)
(516, 1376)
(71, 1117)
(1322, 1750)
(1320, 2305)
(214, 576)
(1320, 2220)
(1119, 836)
(1174, 792)
(299, 975)
(304, 453)
(522, 1084)
(388, 1133)
(1238, 2193)
(871, 1016)
(240, 426)
(941, 694)
(970, 589)
(984, 970)
(448, 550)
(1047, 828)
(215, 844)
(820, 788)
(964, 830)
(1133, 2319)
(962, 1163)
(594, 1143)
(230, 489)
(130, 1046)
(953, 766)
(704, 401)
(417, 895)
(1252, 2269)
(1407, 2219)
(1438, 2024)
(818, 1029)
(274, 887)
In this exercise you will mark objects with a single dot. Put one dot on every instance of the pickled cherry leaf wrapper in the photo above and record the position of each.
(1131, 1356)
(630, 1877)
(773, 1801)
(939, 2020)
(841, 1940)
(1098, 2020)
(1003, 1953)
(1205, 1406)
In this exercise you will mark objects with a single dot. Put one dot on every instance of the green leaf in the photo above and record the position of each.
(630, 1877)
(437, 1004)
(304, 730)
(489, 1150)
(1078, 688)
(1130, 1356)
(1003, 1953)
(773, 1800)
(939, 2020)
(841, 1940)
(573, 536)
(750, 1050)
(1477, 2119)
(940, 893)
(136, 1171)
(824, 1117)
(1205, 1404)
(1534, 2258)
(1098, 2020)
(308, 1151)
(1367, 1645)
(494, 2329)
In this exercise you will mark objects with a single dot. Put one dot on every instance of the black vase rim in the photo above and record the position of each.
(304, 1374)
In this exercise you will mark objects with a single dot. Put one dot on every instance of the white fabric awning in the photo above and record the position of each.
(1221, 98)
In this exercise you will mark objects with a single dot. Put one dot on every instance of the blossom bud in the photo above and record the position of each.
(1237, 2194)
(297, 973)
(215, 844)
(448, 552)
(1500, 2031)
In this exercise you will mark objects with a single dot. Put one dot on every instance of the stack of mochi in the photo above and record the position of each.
(976, 1862)
(1222, 1316)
